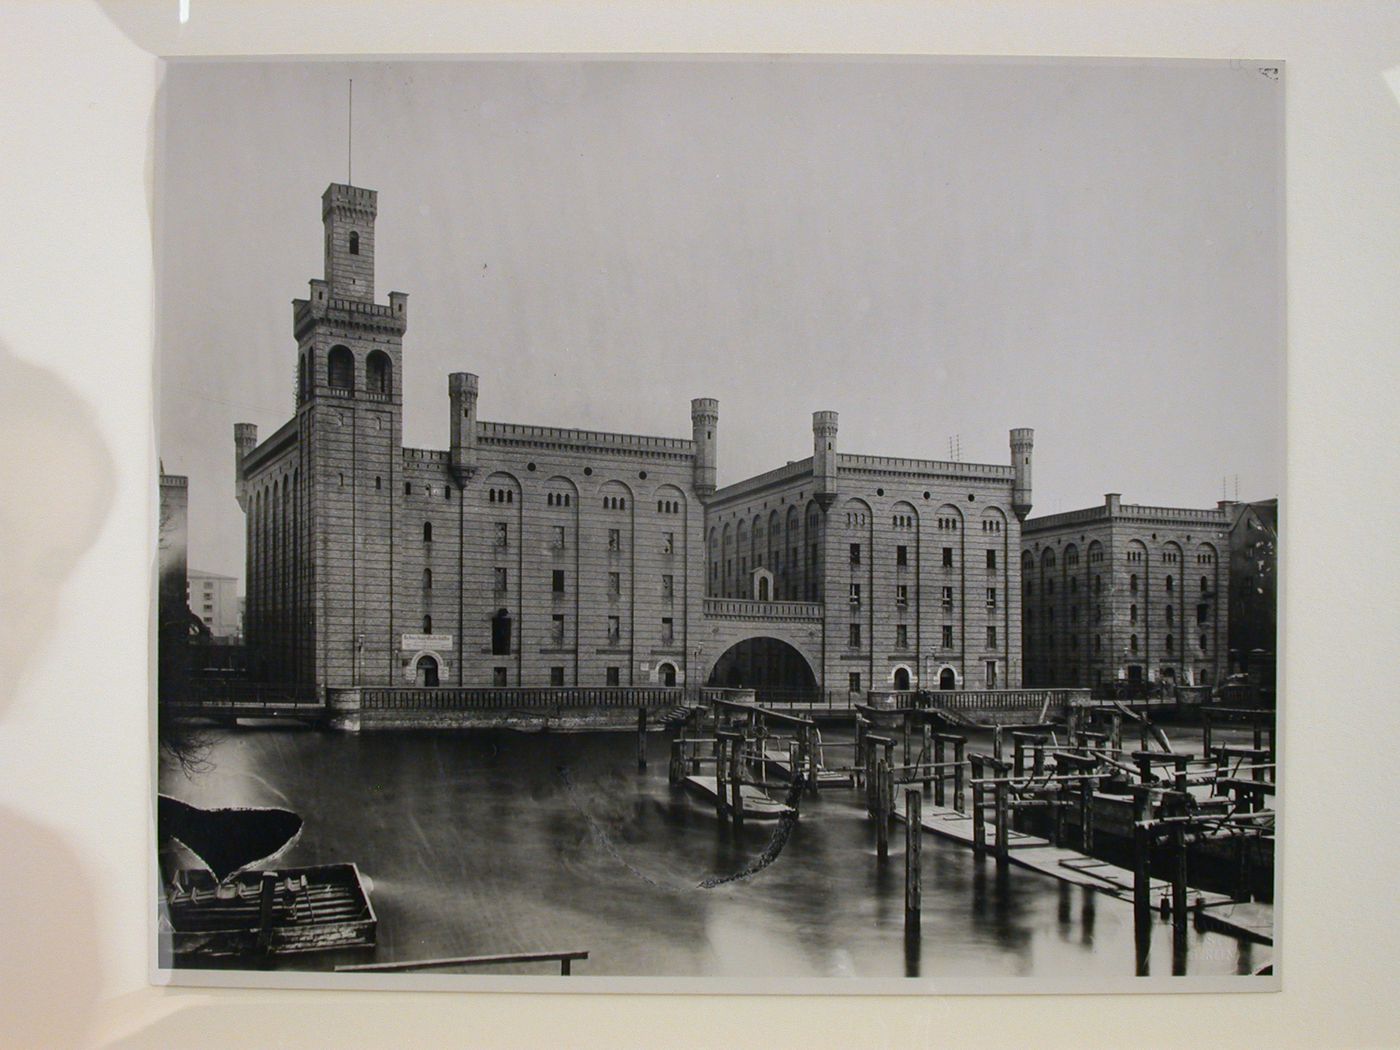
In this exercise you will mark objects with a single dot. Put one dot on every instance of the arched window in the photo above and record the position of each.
(340, 368)
(354, 243)
(427, 625)
(427, 532)
(1132, 584)
(378, 373)
(427, 579)
(1132, 614)
(1169, 585)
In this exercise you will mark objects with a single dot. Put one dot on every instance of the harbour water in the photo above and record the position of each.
(490, 843)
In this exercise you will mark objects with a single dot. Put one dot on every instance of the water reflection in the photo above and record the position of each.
(494, 843)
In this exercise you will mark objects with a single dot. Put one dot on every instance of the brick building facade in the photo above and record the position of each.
(520, 556)
(1126, 592)
(539, 556)
(916, 563)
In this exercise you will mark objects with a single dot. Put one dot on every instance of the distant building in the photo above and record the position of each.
(173, 545)
(214, 599)
(1254, 532)
(1123, 592)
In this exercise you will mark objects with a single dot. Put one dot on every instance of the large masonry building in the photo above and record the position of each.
(1122, 592)
(539, 556)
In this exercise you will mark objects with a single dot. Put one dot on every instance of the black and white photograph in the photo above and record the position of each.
(718, 523)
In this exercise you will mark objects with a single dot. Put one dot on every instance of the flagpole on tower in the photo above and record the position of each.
(350, 134)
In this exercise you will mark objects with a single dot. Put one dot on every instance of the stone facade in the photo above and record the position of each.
(520, 556)
(1254, 535)
(915, 561)
(1126, 592)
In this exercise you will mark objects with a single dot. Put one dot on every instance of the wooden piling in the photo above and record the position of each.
(720, 749)
(913, 861)
(927, 736)
(1179, 905)
(884, 777)
(736, 783)
(1003, 818)
(641, 739)
(941, 772)
(959, 753)
(1087, 786)
(979, 831)
(1142, 896)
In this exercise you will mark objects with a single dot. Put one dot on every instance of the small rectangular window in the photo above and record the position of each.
(947, 597)
(855, 594)
(500, 575)
(991, 637)
(614, 629)
(854, 637)
(614, 539)
(615, 584)
(558, 581)
(991, 674)
(947, 636)
(991, 597)
(559, 537)
(901, 636)
(502, 534)
(901, 594)
(498, 677)
(947, 557)
(614, 676)
(556, 676)
(991, 559)
(668, 543)
(668, 630)
(557, 629)
(901, 556)
(855, 553)
(668, 587)
(853, 682)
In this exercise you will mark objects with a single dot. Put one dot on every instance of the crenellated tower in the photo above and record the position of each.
(824, 457)
(704, 420)
(1022, 443)
(462, 388)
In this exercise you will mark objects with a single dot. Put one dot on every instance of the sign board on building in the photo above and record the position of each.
(415, 642)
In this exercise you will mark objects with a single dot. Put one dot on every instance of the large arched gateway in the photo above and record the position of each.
(771, 667)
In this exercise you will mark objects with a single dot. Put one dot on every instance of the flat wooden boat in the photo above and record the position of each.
(282, 912)
(757, 805)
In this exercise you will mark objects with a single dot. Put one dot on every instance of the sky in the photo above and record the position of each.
(939, 250)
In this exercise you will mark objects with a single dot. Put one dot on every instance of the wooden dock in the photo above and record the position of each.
(1250, 921)
(757, 805)
(1038, 854)
(779, 763)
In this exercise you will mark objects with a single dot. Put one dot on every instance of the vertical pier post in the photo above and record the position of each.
(939, 771)
(1179, 762)
(266, 896)
(1179, 906)
(1086, 814)
(882, 820)
(927, 751)
(1142, 895)
(979, 831)
(641, 739)
(1205, 730)
(996, 742)
(720, 756)
(736, 783)
(959, 753)
(913, 866)
(1003, 815)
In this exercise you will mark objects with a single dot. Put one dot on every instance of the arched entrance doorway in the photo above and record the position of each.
(947, 679)
(901, 679)
(667, 674)
(771, 667)
(425, 672)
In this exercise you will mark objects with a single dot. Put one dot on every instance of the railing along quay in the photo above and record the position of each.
(541, 699)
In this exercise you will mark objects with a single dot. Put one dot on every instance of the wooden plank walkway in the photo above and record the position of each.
(779, 764)
(1251, 921)
(757, 805)
(1038, 854)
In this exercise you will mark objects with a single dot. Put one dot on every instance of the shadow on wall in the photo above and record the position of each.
(59, 473)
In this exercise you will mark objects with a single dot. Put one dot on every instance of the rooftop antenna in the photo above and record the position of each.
(1237, 488)
(350, 134)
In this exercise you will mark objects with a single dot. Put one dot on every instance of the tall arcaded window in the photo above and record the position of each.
(340, 368)
(379, 373)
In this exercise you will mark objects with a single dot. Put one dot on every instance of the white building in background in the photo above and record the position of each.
(213, 597)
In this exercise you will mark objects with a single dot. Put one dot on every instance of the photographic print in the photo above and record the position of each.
(718, 523)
